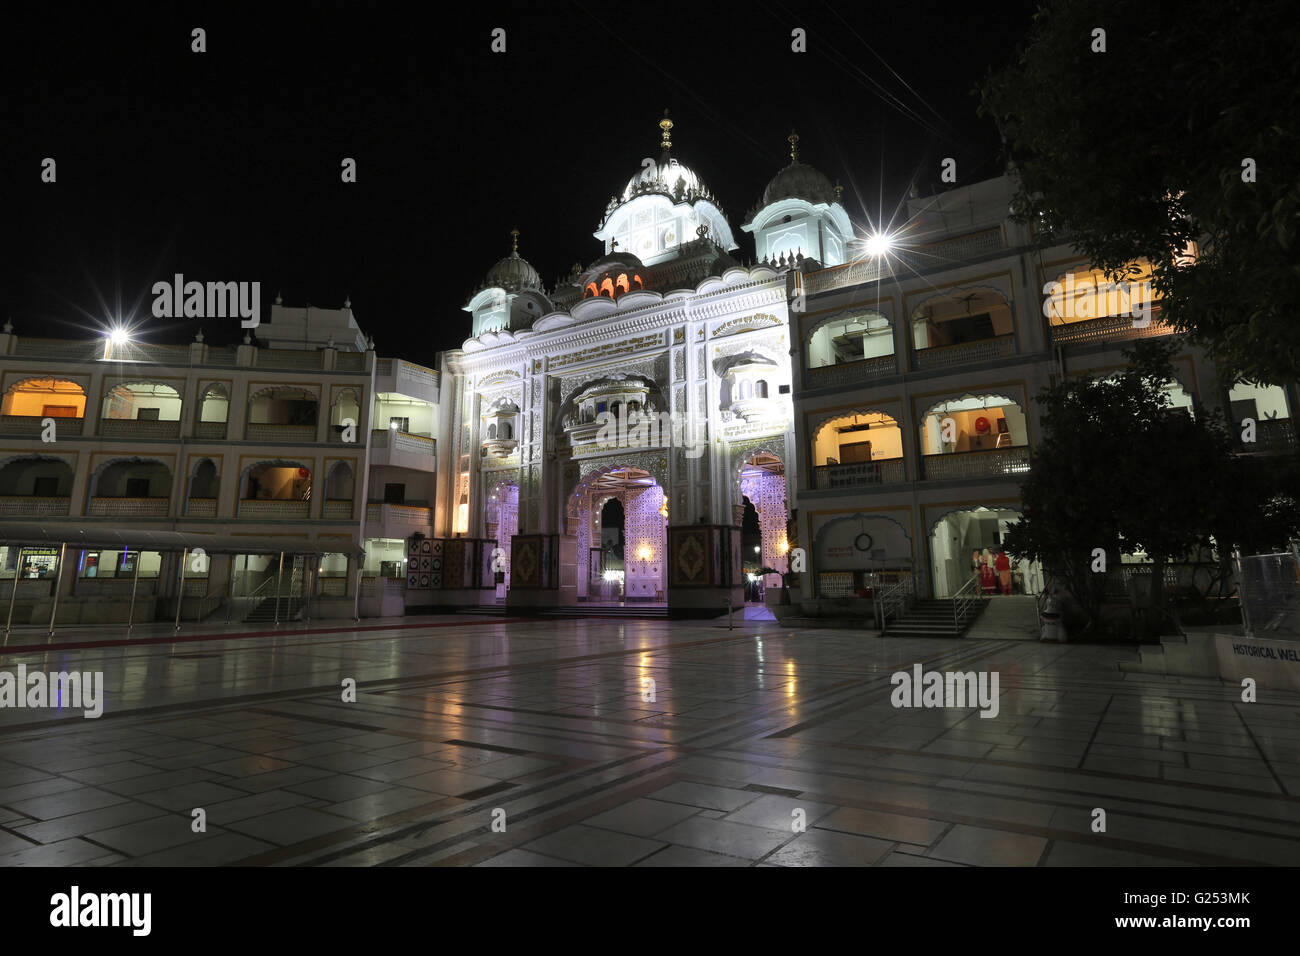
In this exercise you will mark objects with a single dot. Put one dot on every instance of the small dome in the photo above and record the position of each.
(799, 181)
(514, 274)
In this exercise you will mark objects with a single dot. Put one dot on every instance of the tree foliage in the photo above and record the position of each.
(1137, 151)
(1120, 469)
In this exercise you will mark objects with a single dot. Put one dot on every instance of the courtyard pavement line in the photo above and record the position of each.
(676, 752)
(51, 645)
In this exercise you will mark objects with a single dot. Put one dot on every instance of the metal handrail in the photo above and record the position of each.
(966, 595)
(893, 600)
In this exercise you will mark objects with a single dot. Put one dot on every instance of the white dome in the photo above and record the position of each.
(514, 274)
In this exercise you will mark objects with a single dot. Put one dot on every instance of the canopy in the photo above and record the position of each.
(31, 533)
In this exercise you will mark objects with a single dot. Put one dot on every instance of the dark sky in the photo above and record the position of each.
(225, 165)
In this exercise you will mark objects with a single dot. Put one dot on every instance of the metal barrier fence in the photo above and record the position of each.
(1269, 587)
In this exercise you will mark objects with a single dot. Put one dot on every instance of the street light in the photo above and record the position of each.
(877, 244)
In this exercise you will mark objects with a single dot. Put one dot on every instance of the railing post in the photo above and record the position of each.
(278, 575)
(13, 595)
(58, 585)
(356, 597)
(180, 587)
(135, 582)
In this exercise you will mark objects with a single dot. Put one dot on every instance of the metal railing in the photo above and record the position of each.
(251, 601)
(893, 601)
(969, 595)
(1269, 588)
(1114, 327)
(844, 373)
(987, 463)
(884, 472)
(943, 356)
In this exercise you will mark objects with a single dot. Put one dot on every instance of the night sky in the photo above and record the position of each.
(225, 165)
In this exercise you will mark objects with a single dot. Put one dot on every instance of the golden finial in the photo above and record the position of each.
(613, 245)
(793, 140)
(839, 191)
(666, 125)
(514, 241)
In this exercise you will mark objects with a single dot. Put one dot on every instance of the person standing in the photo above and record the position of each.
(1003, 565)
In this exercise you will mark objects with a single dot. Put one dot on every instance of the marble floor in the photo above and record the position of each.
(477, 742)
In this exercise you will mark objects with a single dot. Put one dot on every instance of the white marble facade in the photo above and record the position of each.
(689, 338)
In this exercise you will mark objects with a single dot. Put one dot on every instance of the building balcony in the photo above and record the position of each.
(290, 359)
(1114, 328)
(337, 511)
(201, 508)
(212, 431)
(406, 378)
(128, 507)
(965, 353)
(388, 446)
(33, 506)
(499, 447)
(397, 521)
(850, 373)
(274, 509)
(139, 428)
(275, 434)
(29, 426)
(859, 474)
(993, 463)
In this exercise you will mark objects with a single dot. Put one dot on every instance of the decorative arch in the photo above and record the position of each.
(112, 388)
(93, 489)
(658, 470)
(125, 459)
(823, 320)
(740, 455)
(876, 516)
(7, 402)
(910, 562)
(819, 424)
(37, 456)
(274, 463)
(69, 470)
(951, 294)
(201, 483)
(311, 392)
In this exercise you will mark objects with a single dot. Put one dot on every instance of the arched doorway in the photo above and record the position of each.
(959, 539)
(644, 536)
(762, 487)
(501, 523)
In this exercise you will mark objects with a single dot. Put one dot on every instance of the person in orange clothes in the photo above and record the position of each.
(1003, 565)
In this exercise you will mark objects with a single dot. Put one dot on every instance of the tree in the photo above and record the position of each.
(1121, 470)
(1139, 150)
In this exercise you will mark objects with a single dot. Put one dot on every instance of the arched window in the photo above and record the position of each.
(607, 287)
(492, 431)
(760, 389)
(746, 390)
(506, 431)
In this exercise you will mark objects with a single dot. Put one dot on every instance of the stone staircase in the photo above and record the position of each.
(1186, 655)
(264, 611)
(1007, 618)
(932, 618)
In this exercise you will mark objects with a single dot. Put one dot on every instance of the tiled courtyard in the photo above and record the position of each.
(457, 719)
